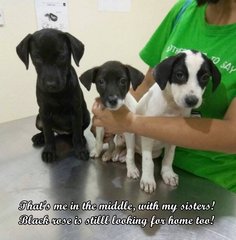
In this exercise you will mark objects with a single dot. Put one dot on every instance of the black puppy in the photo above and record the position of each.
(112, 80)
(62, 108)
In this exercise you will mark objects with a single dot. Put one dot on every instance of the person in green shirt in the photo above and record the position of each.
(207, 145)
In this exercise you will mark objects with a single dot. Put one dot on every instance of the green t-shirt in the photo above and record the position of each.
(191, 31)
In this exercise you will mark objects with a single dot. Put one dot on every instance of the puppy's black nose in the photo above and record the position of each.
(51, 85)
(191, 101)
(113, 100)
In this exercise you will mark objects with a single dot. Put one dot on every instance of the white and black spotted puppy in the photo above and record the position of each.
(112, 80)
(185, 77)
(181, 81)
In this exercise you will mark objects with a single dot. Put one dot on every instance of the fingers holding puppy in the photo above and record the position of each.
(107, 135)
(113, 121)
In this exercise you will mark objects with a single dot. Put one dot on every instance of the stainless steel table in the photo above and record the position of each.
(67, 199)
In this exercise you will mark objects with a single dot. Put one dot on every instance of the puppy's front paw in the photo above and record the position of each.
(49, 154)
(107, 156)
(96, 152)
(133, 172)
(169, 176)
(119, 154)
(93, 153)
(148, 184)
(38, 139)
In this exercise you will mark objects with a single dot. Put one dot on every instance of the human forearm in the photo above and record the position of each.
(196, 133)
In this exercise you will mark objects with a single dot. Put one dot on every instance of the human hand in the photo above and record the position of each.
(118, 121)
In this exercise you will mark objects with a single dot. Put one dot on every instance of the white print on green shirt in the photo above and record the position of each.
(228, 66)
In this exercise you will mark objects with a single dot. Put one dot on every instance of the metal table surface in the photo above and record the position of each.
(66, 199)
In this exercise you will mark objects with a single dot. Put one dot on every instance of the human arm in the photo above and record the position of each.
(195, 133)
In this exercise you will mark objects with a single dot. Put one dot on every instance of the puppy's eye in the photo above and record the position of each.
(205, 77)
(180, 75)
(122, 81)
(101, 82)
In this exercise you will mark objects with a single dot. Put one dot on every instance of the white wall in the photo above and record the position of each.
(106, 35)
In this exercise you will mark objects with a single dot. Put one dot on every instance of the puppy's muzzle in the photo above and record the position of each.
(51, 86)
(191, 101)
(112, 101)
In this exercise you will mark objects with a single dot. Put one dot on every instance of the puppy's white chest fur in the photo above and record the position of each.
(157, 103)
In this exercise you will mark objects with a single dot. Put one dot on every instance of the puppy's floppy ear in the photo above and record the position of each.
(23, 49)
(88, 77)
(135, 76)
(162, 72)
(215, 74)
(77, 47)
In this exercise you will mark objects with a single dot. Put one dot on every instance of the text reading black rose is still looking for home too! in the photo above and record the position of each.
(103, 218)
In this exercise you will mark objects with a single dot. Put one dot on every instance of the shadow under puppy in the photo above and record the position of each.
(62, 108)
(181, 81)
(112, 80)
